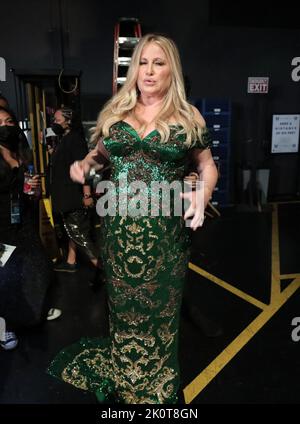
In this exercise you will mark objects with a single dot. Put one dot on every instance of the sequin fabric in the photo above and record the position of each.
(145, 260)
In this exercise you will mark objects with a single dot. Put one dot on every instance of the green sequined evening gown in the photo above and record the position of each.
(145, 262)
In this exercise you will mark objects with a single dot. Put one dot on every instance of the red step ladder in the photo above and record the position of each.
(126, 36)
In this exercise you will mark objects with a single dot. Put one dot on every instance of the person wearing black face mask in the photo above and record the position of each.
(11, 134)
(26, 277)
(70, 201)
(11, 137)
(57, 129)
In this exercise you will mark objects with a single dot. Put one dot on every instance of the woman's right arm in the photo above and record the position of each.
(96, 159)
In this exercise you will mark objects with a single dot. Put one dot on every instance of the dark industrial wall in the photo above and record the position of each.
(218, 54)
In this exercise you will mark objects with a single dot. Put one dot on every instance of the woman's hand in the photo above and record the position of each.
(50, 149)
(196, 207)
(79, 170)
(35, 182)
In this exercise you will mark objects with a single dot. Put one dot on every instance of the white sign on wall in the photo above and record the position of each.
(258, 85)
(285, 133)
(2, 69)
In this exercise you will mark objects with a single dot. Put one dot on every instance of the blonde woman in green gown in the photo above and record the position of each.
(146, 131)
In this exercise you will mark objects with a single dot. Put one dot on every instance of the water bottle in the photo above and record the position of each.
(27, 181)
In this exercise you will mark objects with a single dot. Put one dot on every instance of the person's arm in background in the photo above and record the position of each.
(79, 152)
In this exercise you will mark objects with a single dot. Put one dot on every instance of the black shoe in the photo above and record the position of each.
(98, 280)
(65, 267)
(209, 328)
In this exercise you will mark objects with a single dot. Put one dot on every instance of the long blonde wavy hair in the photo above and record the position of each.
(174, 105)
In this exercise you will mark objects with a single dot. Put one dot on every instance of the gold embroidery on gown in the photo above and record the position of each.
(145, 262)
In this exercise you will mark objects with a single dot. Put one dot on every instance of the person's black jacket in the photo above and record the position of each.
(66, 195)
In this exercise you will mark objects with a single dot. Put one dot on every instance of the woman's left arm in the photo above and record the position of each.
(200, 196)
(208, 176)
(205, 164)
(207, 171)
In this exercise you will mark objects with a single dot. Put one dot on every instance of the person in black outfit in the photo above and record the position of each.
(70, 201)
(26, 277)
